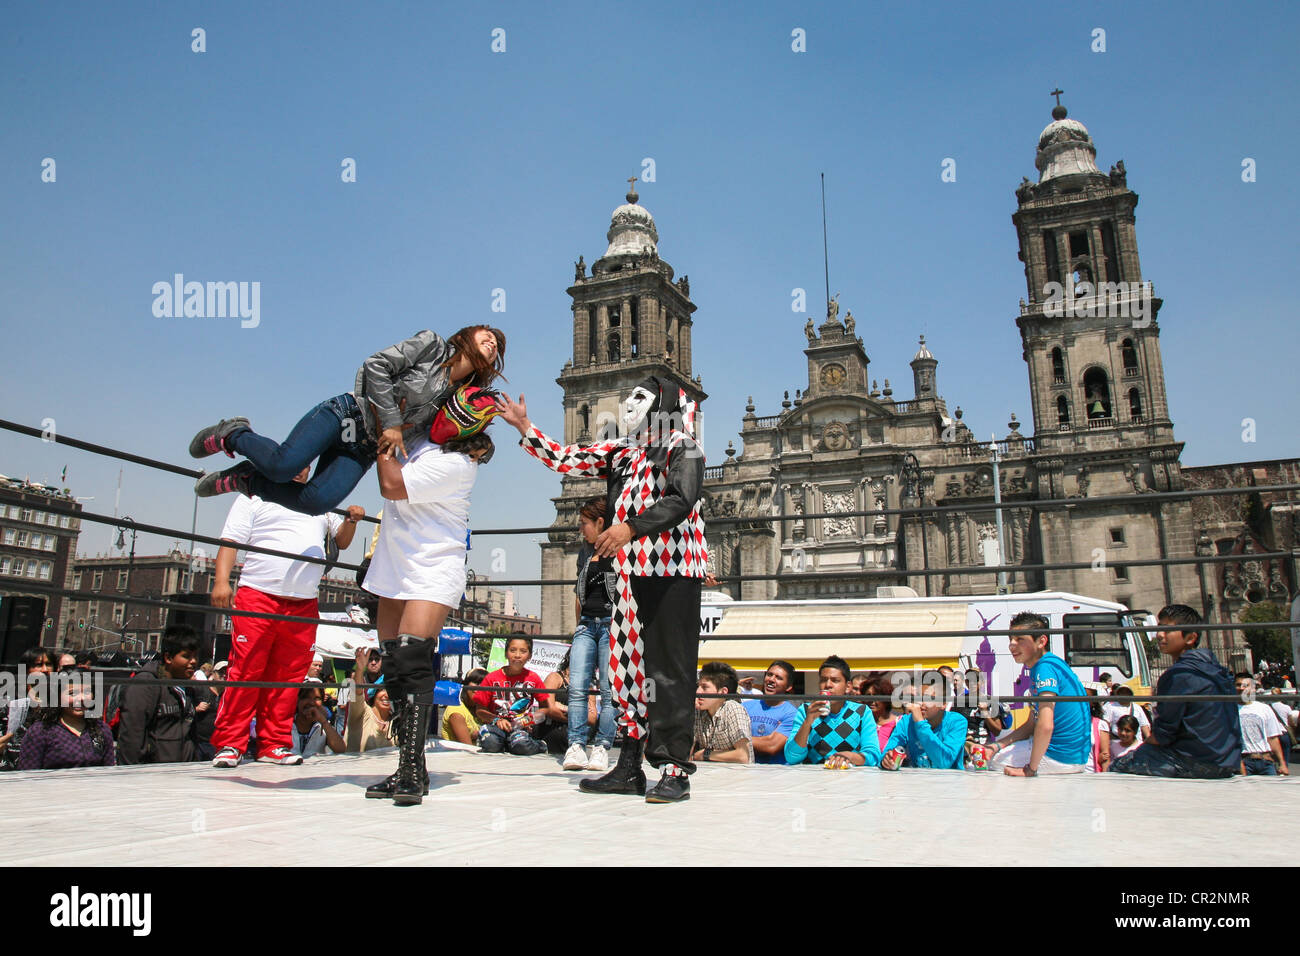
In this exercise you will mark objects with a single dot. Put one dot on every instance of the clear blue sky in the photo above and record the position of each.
(478, 170)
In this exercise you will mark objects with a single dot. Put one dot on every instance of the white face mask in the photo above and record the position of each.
(635, 409)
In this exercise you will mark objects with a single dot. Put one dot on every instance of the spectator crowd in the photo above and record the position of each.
(933, 720)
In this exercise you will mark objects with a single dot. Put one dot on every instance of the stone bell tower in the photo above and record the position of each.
(1092, 345)
(631, 319)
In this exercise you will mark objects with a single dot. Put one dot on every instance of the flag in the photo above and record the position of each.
(64, 476)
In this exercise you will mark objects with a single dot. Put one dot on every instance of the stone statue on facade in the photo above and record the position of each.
(579, 269)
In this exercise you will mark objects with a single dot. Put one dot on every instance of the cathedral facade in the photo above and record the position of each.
(1101, 424)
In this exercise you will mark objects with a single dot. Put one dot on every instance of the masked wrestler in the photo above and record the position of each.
(654, 476)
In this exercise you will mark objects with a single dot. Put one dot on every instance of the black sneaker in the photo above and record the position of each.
(213, 438)
(671, 788)
(224, 482)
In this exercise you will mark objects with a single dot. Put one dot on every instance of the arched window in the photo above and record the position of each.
(1096, 394)
(1129, 356)
(1063, 412)
(615, 351)
(1135, 405)
(1058, 367)
(584, 414)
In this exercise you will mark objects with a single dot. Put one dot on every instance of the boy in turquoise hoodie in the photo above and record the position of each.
(932, 736)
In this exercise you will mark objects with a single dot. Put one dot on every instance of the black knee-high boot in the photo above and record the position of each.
(394, 683)
(413, 658)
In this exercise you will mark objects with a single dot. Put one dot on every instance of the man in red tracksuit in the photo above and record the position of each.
(267, 650)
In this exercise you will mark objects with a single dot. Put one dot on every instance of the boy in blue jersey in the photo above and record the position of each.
(1057, 738)
(837, 734)
(772, 722)
(932, 736)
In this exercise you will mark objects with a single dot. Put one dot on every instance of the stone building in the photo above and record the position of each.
(1101, 424)
(39, 527)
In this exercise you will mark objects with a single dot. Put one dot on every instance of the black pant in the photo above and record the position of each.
(668, 609)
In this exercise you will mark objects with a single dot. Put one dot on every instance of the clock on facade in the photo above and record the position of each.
(833, 376)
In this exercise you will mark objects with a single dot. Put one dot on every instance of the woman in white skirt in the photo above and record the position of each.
(418, 573)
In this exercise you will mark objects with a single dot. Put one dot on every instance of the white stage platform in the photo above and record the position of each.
(498, 809)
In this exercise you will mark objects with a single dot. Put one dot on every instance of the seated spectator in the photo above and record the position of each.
(721, 725)
(552, 727)
(63, 737)
(1121, 703)
(858, 683)
(19, 714)
(1099, 734)
(205, 700)
(986, 719)
(370, 713)
(882, 711)
(835, 734)
(1126, 737)
(1188, 739)
(1057, 737)
(771, 722)
(311, 731)
(507, 718)
(930, 735)
(316, 669)
(1262, 753)
(156, 723)
(459, 723)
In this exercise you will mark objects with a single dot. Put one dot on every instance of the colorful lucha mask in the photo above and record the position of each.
(466, 413)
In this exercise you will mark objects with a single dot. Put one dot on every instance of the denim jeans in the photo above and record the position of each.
(1259, 767)
(521, 743)
(590, 651)
(332, 432)
(1150, 761)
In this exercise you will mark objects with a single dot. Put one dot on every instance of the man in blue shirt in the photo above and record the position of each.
(932, 736)
(1057, 738)
(772, 722)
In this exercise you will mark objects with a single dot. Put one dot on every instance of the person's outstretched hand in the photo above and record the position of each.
(514, 413)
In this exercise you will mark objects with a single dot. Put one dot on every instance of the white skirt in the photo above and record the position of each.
(440, 579)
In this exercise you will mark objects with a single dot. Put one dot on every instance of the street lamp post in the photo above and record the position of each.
(127, 522)
(997, 513)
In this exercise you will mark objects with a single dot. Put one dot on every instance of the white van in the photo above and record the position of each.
(749, 635)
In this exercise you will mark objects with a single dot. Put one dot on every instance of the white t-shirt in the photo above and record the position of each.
(1113, 710)
(420, 555)
(1285, 713)
(1258, 724)
(1117, 748)
(267, 525)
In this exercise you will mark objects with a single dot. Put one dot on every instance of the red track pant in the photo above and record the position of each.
(270, 651)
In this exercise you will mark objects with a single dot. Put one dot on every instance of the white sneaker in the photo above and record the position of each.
(281, 755)
(599, 759)
(575, 758)
(227, 757)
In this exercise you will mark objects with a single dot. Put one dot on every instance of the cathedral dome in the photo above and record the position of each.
(631, 230)
(1065, 148)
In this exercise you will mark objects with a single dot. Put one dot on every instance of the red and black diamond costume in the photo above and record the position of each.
(654, 478)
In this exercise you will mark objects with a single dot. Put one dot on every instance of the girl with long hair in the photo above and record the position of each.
(402, 387)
